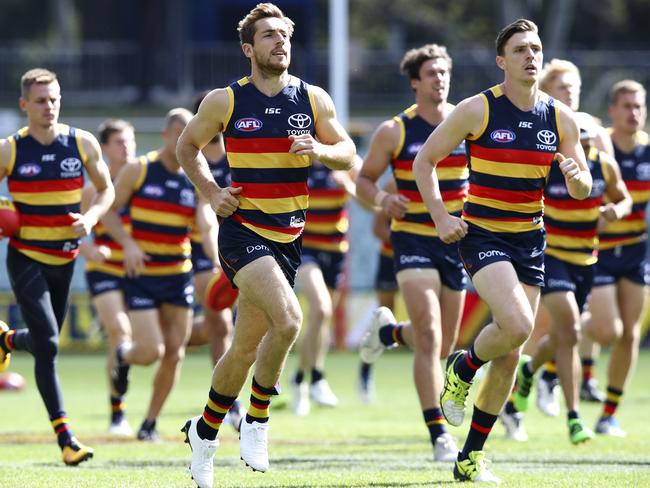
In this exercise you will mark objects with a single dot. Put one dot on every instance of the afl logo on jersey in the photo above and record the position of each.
(299, 121)
(153, 191)
(29, 170)
(503, 135)
(414, 148)
(248, 124)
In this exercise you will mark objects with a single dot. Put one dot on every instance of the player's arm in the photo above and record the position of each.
(100, 178)
(466, 119)
(334, 147)
(125, 185)
(5, 157)
(602, 141)
(384, 143)
(206, 222)
(347, 181)
(207, 122)
(87, 248)
(571, 156)
(619, 199)
(381, 220)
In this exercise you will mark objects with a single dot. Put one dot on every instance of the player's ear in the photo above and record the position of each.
(501, 62)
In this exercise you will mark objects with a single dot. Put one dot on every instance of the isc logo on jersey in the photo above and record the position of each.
(503, 135)
(248, 124)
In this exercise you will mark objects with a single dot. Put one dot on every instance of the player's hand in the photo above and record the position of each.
(451, 229)
(395, 205)
(134, 259)
(608, 212)
(98, 254)
(81, 224)
(305, 144)
(570, 169)
(225, 202)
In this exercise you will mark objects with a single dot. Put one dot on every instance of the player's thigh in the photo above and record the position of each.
(146, 328)
(563, 310)
(262, 283)
(420, 288)
(509, 299)
(111, 311)
(175, 324)
(201, 281)
(311, 282)
(632, 298)
(603, 306)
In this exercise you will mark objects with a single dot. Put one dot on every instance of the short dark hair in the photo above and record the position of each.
(622, 87)
(112, 126)
(519, 25)
(36, 76)
(246, 26)
(415, 58)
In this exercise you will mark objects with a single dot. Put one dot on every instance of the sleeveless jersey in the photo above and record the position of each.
(221, 174)
(635, 170)
(46, 183)
(452, 173)
(571, 225)
(114, 265)
(162, 210)
(510, 159)
(275, 195)
(327, 219)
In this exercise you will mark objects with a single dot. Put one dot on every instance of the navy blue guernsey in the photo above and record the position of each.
(510, 159)
(46, 183)
(274, 194)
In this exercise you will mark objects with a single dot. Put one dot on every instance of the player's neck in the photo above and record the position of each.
(269, 84)
(522, 96)
(169, 161)
(625, 141)
(44, 135)
(433, 113)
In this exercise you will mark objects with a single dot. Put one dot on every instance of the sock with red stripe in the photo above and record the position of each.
(7, 340)
(118, 408)
(611, 401)
(258, 411)
(587, 368)
(479, 431)
(62, 429)
(391, 335)
(435, 422)
(213, 414)
(467, 366)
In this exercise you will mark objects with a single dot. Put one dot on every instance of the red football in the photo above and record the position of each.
(11, 381)
(220, 293)
(9, 218)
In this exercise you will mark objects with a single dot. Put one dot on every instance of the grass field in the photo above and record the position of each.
(384, 444)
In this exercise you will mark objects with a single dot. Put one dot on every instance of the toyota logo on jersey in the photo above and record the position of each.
(299, 121)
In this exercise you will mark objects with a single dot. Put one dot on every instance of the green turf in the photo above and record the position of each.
(381, 445)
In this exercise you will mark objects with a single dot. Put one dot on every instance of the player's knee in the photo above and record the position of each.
(520, 331)
(150, 354)
(427, 341)
(174, 355)
(48, 348)
(630, 336)
(322, 311)
(606, 336)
